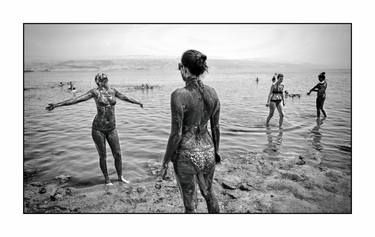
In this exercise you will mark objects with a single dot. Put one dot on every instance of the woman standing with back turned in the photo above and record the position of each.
(191, 148)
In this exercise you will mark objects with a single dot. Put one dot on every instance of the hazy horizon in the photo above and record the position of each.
(315, 44)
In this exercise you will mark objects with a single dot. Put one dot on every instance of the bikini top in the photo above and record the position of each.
(322, 86)
(277, 89)
(105, 99)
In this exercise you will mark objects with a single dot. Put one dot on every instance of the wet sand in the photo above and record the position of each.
(247, 183)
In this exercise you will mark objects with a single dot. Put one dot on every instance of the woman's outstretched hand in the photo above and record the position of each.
(50, 107)
(141, 105)
(308, 93)
(164, 171)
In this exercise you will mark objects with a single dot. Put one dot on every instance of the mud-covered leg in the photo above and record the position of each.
(186, 178)
(114, 143)
(205, 186)
(272, 110)
(324, 112)
(99, 139)
(281, 113)
(318, 107)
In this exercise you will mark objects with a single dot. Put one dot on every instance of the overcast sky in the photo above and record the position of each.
(316, 44)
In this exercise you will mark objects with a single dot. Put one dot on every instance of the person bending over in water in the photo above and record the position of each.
(191, 148)
(320, 88)
(104, 125)
(276, 100)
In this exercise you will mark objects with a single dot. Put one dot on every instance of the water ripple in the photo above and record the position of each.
(59, 141)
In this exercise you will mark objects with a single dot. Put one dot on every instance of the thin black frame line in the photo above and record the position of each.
(351, 112)
(188, 23)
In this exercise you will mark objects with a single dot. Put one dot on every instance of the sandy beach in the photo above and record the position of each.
(248, 183)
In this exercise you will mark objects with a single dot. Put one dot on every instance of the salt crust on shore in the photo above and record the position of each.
(248, 183)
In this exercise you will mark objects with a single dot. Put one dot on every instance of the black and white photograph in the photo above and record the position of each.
(153, 118)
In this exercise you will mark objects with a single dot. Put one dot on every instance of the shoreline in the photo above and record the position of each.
(247, 183)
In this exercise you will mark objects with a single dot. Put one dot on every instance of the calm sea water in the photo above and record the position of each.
(59, 141)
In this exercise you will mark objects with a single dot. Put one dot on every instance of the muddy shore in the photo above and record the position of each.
(248, 183)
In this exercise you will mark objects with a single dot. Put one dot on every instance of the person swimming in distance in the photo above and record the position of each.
(74, 91)
(276, 100)
(193, 151)
(287, 94)
(61, 84)
(70, 85)
(320, 88)
(104, 124)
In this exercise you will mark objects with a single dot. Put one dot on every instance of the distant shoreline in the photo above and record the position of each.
(168, 64)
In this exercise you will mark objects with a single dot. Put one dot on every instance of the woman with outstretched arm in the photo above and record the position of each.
(104, 124)
(320, 88)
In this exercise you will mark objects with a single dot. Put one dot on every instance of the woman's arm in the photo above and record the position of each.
(315, 88)
(215, 130)
(176, 132)
(282, 96)
(269, 96)
(88, 95)
(125, 98)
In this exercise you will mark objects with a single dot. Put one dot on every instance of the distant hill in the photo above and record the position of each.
(166, 64)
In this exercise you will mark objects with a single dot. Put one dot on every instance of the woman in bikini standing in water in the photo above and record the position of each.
(276, 100)
(320, 88)
(191, 148)
(104, 124)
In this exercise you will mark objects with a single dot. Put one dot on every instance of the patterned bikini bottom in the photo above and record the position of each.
(203, 158)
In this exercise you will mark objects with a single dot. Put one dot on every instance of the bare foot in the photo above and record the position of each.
(122, 180)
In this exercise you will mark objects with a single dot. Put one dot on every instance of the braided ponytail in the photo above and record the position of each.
(195, 61)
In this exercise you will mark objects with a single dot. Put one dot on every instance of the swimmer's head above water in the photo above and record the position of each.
(193, 63)
(101, 79)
